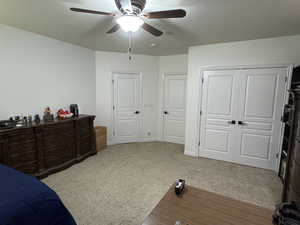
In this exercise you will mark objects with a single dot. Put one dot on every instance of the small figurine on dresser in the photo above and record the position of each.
(48, 117)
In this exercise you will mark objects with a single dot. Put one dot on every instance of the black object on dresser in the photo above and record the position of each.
(46, 148)
(74, 109)
(290, 160)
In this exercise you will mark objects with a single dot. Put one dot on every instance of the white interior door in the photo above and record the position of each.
(174, 108)
(218, 114)
(253, 100)
(261, 103)
(127, 107)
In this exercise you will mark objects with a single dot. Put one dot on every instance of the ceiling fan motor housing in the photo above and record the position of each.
(136, 7)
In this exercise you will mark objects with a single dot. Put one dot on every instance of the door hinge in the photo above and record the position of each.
(200, 112)
(114, 134)
(202, 80)
(113, 107)
(286, 79)
(277, 155)
(113, 81)
(199, 143)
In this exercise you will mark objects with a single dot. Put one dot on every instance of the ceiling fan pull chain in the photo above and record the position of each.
(130, 45)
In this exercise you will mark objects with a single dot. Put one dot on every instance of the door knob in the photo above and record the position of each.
(232, 122)
(166, 112)
(242, 123)
(137, 112)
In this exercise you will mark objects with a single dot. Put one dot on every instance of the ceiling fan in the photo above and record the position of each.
(132, 16)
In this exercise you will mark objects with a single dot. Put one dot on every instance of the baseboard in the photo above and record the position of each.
(111, 142)
(148, 139)
(160, 139)
(190, 153)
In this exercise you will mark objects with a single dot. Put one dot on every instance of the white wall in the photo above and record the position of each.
(106, 64)
(283, 50)
(174, 64)
(36, 71)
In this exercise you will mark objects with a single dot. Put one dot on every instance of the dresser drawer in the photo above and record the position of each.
(20, 150)
(58, 143)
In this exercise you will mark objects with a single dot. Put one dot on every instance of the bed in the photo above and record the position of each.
(24, 200)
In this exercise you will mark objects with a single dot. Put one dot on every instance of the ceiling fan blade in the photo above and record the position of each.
(177, 13)
(113, 29)
(152, 30)
(91, 11)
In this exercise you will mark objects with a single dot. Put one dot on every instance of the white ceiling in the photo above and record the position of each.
(208, 21)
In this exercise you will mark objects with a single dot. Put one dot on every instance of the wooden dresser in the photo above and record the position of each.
(46, 148)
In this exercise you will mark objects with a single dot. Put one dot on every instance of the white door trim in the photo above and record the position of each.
(288, 67)
(162, 96)
(113, 102)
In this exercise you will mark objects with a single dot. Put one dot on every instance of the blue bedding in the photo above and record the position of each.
(24, 200)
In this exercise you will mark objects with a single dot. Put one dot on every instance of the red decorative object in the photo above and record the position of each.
(64, 114)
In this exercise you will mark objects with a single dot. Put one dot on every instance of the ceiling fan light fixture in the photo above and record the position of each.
(130, 23)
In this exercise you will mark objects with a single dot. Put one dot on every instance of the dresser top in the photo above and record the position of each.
(42, 123)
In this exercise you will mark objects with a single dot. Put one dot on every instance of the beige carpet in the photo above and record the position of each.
(121, 185)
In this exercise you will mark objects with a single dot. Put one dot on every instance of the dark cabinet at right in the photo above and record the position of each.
(291, 182)
(290, 160)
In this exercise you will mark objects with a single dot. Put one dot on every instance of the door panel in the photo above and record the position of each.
(127, 127)
(220, 92)
(174, 128)
(216, 140)
(174, 108)
(126, 105)
(217, 130)
(127, 92)
(256, 146)
(175, 92)
(262, 96)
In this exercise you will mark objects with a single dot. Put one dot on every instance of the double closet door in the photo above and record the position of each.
(241, 111)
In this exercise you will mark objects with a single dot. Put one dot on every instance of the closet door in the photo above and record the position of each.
(127, 107)
(174, 108)
(260, 108)
(218, 134)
